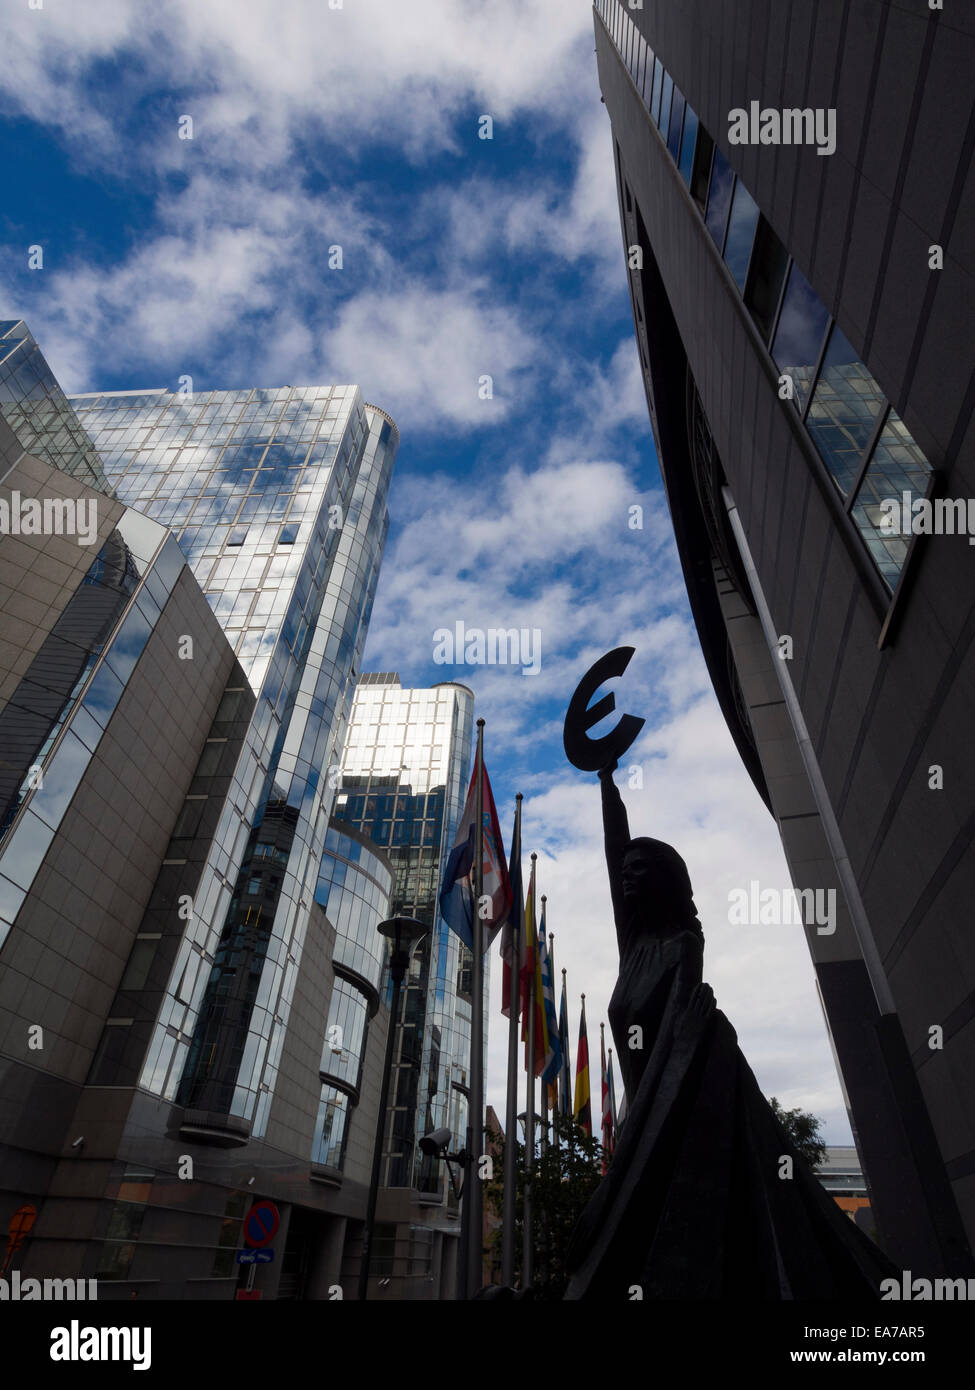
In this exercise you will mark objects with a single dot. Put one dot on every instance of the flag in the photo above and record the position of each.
(607, 1122)
(612, 1106)
(457, 893)
(541, 1022)
(582, 1109)
(515, 923)
(530, 977)
(554, 1030)
(565, 1076)
(552, 1056)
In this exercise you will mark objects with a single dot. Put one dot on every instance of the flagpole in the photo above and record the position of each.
(603, 1094)
(551, 973)
(510, 1202)
(475, 1147)
(543, 1087)
(528, 1252)
(565, 1075)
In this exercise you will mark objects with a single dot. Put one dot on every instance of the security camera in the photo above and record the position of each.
(436, 1141)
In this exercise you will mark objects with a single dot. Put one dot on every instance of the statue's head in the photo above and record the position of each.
(657, 886)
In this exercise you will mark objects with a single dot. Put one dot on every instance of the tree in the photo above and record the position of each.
(565, 1176)
(803, 1128)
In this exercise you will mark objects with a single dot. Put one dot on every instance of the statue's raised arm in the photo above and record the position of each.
(616, 837)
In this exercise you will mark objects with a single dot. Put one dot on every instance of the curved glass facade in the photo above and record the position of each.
(354, 888)
(345, 1034)
(404, 773)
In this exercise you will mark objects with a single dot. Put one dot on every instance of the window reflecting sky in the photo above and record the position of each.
(741, 233)
(687, 144)
(719, 197)
(799, 336)
(844, 410)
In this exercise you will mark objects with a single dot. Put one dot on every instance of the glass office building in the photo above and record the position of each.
(177, 914)
(404, 777)
(278, 500)
(802, 316)
(37, 410)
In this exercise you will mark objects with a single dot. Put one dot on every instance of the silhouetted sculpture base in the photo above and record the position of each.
(697, 1202)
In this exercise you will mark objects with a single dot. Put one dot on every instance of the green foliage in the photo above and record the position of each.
(565, 1176)
(803, 1128)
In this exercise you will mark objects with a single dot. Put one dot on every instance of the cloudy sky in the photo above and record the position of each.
(462, 258)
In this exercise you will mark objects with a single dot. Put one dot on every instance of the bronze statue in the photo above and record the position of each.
(705, 1197)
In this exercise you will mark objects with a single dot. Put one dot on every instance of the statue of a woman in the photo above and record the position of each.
(706, 1197)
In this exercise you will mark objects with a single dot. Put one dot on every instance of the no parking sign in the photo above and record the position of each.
(260, 1224)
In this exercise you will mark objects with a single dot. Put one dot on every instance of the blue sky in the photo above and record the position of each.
(462, 258)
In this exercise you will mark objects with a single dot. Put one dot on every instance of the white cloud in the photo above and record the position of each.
(423, 352)
(396, 73)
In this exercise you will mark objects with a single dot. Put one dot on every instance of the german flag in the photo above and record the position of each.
(582, 1109)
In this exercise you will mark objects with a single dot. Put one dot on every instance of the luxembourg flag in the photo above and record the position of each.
(457, 892)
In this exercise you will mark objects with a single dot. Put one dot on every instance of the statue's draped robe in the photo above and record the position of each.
(693, 1204)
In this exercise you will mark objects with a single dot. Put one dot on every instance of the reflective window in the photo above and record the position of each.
(701, 172)
(639, 59)
(646, 87)
(658, 77)
(61, 777)
(345, 1036)
(330, 1129)
(11, 898)
(46, 696)
(769, 262)
(719, 198)
(103, 695)
(665, 99)
(800, 332)
(687, 145)
(26, 848)
(844, 410)
(741, 233)
(129, 644)
(896, 466)
(676, 122)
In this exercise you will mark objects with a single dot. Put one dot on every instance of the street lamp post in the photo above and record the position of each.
(404, 932)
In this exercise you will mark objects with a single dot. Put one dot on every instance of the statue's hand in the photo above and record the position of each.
(698, 1010)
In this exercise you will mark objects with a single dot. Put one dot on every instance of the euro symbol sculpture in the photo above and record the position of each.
(593, 754)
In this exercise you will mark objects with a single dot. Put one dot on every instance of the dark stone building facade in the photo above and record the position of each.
(804, 321)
